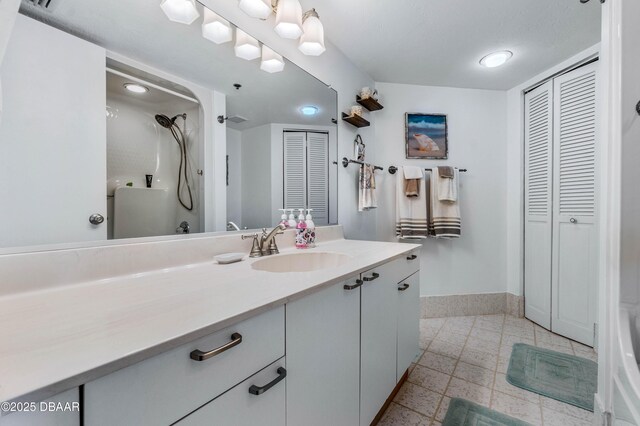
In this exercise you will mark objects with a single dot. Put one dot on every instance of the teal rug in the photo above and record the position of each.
(567, 378)
(465, 413)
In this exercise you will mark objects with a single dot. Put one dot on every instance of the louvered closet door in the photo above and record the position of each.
(538, 208)
(318, 176)
(295, 170)
(574, 219)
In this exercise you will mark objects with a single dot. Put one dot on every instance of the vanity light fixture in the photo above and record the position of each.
(312, 40)
(216, 28)
(260, 9)
(246, 47)
(271, 61)
(309, 110)
(182, 11)
(289, 19)
(136, 88)
(496, 59)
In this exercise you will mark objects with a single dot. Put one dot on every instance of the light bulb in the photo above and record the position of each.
(182, 11)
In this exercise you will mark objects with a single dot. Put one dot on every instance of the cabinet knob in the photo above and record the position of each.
(573, 220)
(412, 257)
(259, 390)
(403, 287)
(373, 276)
(96, 219)
(353, 286)
(198, 355)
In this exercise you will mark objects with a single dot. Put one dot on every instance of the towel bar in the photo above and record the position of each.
(394, 169)
(346, 162)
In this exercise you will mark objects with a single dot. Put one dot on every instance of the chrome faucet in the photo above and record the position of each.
(267, 243)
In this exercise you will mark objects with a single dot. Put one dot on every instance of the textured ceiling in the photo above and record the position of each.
(439, 42)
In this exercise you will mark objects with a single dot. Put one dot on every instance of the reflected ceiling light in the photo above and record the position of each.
(271, 61)
(246, 47)
(309, 110)
(216, 28)
(289, 19)
(182, 11)
(260, 9)
(312, 40)
(136, 88)
(496, 59)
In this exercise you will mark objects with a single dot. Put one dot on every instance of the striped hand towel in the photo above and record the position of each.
(444, 216)
(411, 212)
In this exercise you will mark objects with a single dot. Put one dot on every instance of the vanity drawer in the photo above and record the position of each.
(166, 387)
(397, 269)
(241, 405)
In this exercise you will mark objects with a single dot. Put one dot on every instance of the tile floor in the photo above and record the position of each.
(467, 357)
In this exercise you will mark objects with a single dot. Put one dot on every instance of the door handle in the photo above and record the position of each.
(404, 287)
(373, 276)
(573, 220)
(198, 355)
(96, 219)
(412, 257)
(353, 286)
(259, 390)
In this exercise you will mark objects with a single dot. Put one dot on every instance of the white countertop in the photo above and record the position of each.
(57, 338)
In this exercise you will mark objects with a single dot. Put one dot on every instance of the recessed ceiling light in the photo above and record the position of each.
(496, 59)
(309, 110)
(136, 88)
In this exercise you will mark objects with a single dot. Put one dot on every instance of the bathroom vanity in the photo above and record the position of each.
(216, 344)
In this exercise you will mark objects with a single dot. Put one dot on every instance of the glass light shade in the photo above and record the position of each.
(496, 59)
(216, 28)
(312, 40)
(182, 11)
(271, 61)
(289, 19)
(246, 47)
(260, 9)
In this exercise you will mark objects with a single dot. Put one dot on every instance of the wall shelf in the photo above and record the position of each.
(356, 120)
(369, 103)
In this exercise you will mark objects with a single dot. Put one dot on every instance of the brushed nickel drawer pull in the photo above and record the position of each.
(353, 286)
(198, 355)
(373, 276)
(259, 390)
(412, 257)
(404, 287)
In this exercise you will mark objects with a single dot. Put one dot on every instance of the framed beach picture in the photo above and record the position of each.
(426, 136)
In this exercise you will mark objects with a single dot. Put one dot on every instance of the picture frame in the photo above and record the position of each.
(426, 136)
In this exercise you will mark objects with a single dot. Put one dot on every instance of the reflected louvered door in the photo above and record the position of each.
(538, 203)
(574, 218)
(295, 165)
(318, 176)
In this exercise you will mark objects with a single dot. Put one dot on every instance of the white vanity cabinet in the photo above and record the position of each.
(323, 356)
(169, 386)
(60, 410)
(259, 400)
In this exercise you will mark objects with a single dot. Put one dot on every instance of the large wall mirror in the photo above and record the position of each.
(110, 132)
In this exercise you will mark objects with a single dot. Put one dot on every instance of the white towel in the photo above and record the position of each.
(411, 213)
(447, 187)
(444, 216)
(367, 188)
(412, 172)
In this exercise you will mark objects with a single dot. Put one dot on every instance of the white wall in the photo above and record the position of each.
(234, 189)
(335, 69)
(475, 263)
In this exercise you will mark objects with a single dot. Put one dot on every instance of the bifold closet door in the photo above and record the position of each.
(295, 170)
(575, 247)
(538, 208)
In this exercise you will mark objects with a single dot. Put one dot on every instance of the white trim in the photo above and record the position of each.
(149, 84)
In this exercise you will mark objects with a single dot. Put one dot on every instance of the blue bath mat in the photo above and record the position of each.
(567, 378)
(465, 413)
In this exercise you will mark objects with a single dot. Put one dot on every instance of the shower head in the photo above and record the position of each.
(164, 121)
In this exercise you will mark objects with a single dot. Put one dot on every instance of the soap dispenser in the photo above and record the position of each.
(283, 218)
(292, 219)
(301, 227)
(310, 232)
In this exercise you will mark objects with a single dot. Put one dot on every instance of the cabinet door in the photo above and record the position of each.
(67, 412)
(379, 315)
(323, 356)
(239, 406)
(575, 242)
(408, 323)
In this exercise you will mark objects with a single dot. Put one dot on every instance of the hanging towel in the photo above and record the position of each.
(447, 188)
(411, 213)
(412, 177)
(367, 188)
(444, 216)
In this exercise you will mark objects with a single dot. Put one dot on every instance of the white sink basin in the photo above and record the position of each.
(300, 262)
